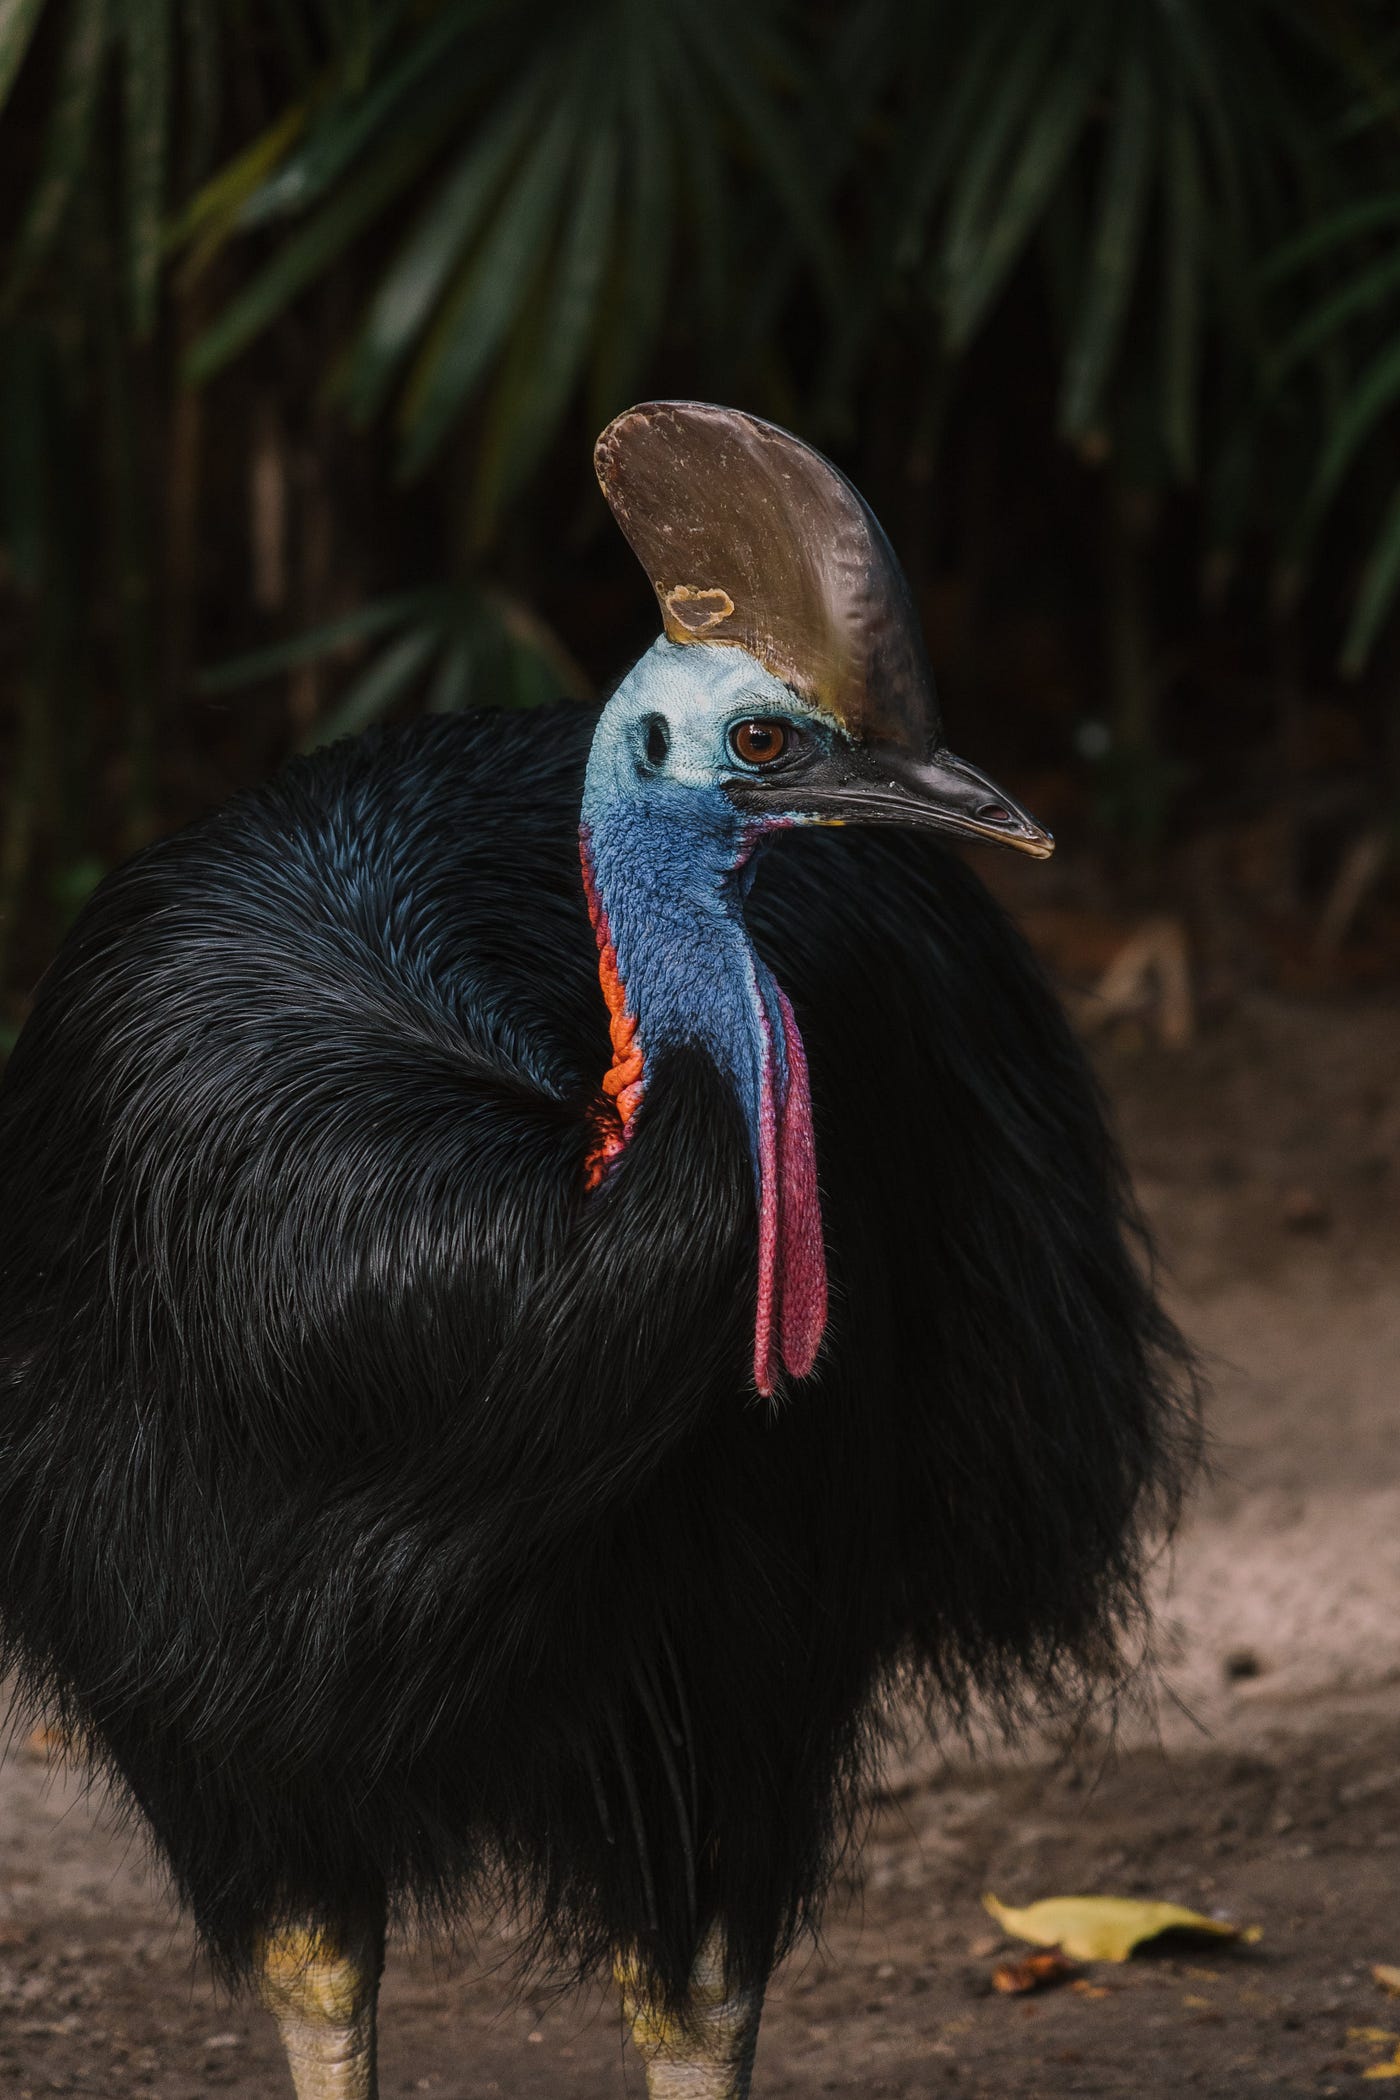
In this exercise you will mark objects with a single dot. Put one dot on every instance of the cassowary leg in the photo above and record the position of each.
(705, 2052)
(321, 1988)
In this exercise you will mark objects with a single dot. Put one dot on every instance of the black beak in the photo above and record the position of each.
(877, 784)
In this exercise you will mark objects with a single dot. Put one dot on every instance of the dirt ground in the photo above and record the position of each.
(1267, 1789)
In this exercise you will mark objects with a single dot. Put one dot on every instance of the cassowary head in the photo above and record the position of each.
(792, 675)
(791, 687)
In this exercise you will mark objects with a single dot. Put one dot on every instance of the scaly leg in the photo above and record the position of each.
(321, 1988)
(705, 2053)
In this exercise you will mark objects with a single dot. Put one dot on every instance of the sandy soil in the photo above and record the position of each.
(1267, 1789)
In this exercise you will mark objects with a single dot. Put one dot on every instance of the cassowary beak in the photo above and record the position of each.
(879, 784)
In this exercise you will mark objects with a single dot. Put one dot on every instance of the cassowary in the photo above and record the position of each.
(465, 1436)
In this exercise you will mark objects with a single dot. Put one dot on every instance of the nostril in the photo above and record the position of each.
(994, 813)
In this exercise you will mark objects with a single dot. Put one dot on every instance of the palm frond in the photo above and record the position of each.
(1202, 133)
(545, 160)
(1115, 253)
(1001, 183)
(490, 290)
(149, 38)
(18, 21)
(1380, 586)
(441, 647)
(411, 288)
(68, 140)
(310, 252)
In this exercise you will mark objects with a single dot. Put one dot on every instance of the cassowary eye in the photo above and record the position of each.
(658, 740)
(759, 741)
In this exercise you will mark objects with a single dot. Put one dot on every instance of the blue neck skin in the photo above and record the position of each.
(670, 859)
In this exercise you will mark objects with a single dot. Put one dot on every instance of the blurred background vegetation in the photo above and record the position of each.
(310, 310)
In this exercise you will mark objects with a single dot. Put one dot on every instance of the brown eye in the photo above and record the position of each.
(760, 741)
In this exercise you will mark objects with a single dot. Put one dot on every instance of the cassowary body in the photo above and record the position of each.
(385, 1493)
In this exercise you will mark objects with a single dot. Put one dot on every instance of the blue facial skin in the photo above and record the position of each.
(672, 858)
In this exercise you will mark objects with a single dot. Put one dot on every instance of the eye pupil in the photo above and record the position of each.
(758, 742)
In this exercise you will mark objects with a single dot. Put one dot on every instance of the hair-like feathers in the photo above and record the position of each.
(393, 1514)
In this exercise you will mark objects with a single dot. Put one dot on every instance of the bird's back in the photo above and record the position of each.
(369, 1486)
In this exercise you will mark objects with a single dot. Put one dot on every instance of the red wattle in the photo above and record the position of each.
(801, 1250)
(792, 1298)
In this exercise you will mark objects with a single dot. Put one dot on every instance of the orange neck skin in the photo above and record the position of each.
(623, 1082)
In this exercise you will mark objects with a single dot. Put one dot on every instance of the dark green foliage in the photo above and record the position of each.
(337, 292)
(460, 646)
(542, 173)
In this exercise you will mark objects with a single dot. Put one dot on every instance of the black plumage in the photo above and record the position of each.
(393, 1517)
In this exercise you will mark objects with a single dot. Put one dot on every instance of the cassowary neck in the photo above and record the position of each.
(667, 868)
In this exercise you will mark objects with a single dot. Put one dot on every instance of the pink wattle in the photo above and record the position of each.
(791, 1255)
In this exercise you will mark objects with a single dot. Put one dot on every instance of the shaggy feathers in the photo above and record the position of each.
(394, 1517)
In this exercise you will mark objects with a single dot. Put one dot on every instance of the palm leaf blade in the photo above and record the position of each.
(648, 196)
(149, 65)
(983, 247)
(1379, 388)
(349, 128)
(1376, 598)
(378, 688)
(378, 617)
(1333, 232)
(213, 212)
(1361, 295)
(556, 359)
(308, 253)
(763, 122)
(18, 21)
(68, 139)
(1115, 254)
(489, 294)
(412, 286)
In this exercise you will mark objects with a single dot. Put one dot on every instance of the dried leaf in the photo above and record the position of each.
(1036, 1972)
(1390, 2070)
(1102, 1928)
(1387, 1976)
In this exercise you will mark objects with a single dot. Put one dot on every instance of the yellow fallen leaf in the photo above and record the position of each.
(1101, 1928)
(1390, 2070)
(1371, 2034)
(1387, 1977)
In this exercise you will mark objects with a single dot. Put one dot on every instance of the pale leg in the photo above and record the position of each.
(707, 2052)
(321, 1989)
